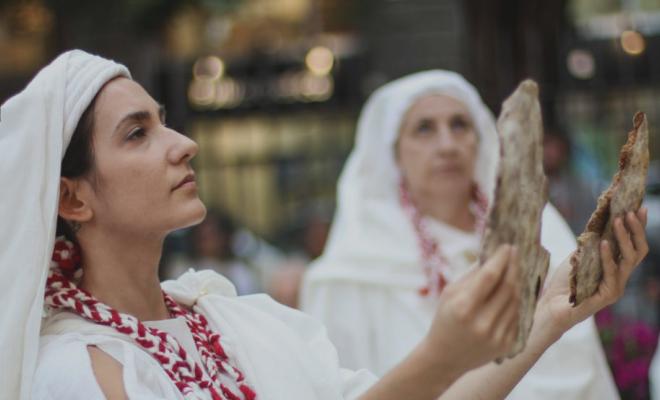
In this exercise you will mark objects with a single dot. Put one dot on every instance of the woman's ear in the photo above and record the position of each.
(72, 205)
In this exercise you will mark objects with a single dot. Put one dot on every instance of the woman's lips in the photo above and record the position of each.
(448, 169)
(187, 182)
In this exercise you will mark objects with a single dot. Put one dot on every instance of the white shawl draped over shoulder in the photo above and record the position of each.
(283, 353)
(365, 285)
(35, 129)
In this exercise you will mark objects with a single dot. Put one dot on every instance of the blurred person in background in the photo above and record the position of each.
(574, 198)
(411, 203)
(211, 246)
(310, 237)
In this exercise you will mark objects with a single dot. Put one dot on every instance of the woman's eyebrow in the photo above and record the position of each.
(137, 116)
(141, 116)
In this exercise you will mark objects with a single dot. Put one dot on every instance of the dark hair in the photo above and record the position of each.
(78, 159)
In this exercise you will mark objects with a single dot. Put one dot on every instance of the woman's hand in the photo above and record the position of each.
(476, 322)
(477, 317)
(554, 313)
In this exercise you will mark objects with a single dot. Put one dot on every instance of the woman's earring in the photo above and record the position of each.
(75, 226)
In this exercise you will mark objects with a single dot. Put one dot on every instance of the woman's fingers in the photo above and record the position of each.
(489, 276)
(504, 299)
(635, 224)
(506, 327)
(507, 291)
(496, 313)
(642, 215)
(609, 286)
(512, 328)
(625, 244)
(631, 239)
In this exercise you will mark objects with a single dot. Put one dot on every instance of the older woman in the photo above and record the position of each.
(411, 204)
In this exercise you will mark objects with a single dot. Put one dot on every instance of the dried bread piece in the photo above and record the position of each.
(520, 196)
(624, 194)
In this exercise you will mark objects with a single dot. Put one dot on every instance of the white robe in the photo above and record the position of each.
(375, 325)
(283, 353)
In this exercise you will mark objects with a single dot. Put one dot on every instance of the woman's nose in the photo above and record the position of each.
(183, 149)
(445, 141)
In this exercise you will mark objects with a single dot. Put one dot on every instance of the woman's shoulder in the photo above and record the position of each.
(64, 369)
(67, 367)
(67, 349)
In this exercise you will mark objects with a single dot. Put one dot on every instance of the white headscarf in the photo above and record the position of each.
(372, 238)
(36, 126)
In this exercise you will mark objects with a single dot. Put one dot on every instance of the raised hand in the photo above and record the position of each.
(554, 312)
(477, 317)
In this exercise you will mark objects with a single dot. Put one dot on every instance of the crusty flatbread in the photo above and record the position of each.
(624, 194)
(520, 196)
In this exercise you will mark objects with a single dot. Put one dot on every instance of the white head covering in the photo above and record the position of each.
(372, 238)
(35, 129)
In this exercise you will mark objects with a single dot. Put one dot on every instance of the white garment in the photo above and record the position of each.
(365, 285)
(238, 273)
(35, 128)
(654, 375)
(283, 353)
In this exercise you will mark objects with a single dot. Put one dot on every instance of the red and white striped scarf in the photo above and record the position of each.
(218, 381)
(433, 259)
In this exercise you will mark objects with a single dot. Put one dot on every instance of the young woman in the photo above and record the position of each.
(412, 199)
(88, 151)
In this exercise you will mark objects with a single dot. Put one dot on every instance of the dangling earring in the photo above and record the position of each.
(75, 226)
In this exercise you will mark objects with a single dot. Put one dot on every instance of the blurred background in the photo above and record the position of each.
(271, 90)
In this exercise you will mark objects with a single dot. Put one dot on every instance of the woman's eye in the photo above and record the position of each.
(136, 134)
(425, 127)
(459, 125)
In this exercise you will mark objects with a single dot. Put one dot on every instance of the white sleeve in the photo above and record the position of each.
(356, 383)
(343, 307)
(654, 375)
(573, 368)
(64, 370)
(372, 326)
(314, 336)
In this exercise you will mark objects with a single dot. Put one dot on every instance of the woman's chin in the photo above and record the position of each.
(192, 214)
(451, 188)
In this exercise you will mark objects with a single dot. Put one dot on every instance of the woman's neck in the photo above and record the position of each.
(454, 211)
(122, 272)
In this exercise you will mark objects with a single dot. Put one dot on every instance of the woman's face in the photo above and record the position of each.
(437, 147)
(139, 166)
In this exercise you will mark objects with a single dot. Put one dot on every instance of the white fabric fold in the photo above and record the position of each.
(35, 129)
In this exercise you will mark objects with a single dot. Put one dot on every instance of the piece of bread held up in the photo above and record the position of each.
(519, 198)
(624, 194)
